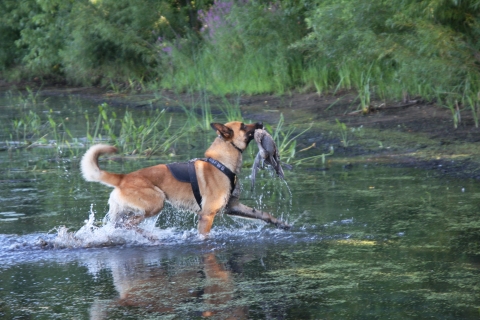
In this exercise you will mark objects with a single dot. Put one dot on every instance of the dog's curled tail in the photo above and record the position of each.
(92, 172)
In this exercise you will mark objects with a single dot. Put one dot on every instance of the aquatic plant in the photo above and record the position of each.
(105, 120)
(199, 103)
(285, 138)
(150, 137)
(27, 127)
(150, 134)
(313, 159)
(147, 135)
(473, 104)
(365, 91)
(343, 132)
(207, 117)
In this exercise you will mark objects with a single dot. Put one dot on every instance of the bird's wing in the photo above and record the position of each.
(258, 136)
(279, 169)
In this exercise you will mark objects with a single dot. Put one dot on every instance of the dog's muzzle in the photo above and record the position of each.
(251, 133)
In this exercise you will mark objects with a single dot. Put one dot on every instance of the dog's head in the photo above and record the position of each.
(237, 133)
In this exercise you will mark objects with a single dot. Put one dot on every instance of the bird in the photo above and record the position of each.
(267, 154)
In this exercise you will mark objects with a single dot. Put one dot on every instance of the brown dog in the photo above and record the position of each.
(141, 194)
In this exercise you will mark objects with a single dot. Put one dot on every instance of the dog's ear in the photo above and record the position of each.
(222, 130)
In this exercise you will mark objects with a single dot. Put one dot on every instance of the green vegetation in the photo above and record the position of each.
(147, 135)
(153, 132)
(380, 49)
(343, 132)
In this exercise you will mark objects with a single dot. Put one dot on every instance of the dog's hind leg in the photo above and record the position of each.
(129, 207)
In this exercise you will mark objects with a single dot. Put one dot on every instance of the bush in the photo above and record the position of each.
(243, 47)
(113, 39)
(34, 33)
(426, 48)
(87, 41)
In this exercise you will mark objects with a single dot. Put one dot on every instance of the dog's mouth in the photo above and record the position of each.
(251, 130)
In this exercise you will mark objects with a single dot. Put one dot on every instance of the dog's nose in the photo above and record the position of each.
(259, 125)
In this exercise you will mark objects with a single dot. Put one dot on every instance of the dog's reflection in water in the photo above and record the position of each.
(201, 289)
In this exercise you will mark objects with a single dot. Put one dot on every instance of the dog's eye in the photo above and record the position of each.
(243, 127)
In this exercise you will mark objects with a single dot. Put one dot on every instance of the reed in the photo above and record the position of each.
(231, 109)
(285, 138)
(343, 133)
(150, 134)
(311, 160)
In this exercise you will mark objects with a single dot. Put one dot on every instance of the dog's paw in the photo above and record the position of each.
(283, 225)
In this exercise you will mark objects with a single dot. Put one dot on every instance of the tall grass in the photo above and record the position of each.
(231, 109)
(150, 134)
(244, 48)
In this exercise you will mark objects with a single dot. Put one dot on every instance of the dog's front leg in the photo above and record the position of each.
(235, 208)
(207, 214)
(205, 221)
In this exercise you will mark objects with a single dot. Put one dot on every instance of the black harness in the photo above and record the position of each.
(185, 172)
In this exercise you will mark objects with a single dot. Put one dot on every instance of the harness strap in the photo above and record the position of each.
(231, 176)
(194, 182)
(185, 172)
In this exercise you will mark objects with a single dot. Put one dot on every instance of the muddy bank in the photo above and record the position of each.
(411, 134)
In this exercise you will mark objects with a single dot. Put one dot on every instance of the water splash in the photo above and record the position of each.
(93, 235)
(106, 234)
(174, 228)
(288, 189)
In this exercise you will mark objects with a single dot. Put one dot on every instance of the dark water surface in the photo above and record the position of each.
(368, 242)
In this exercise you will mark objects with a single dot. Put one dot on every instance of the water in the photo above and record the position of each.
(372, 241)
